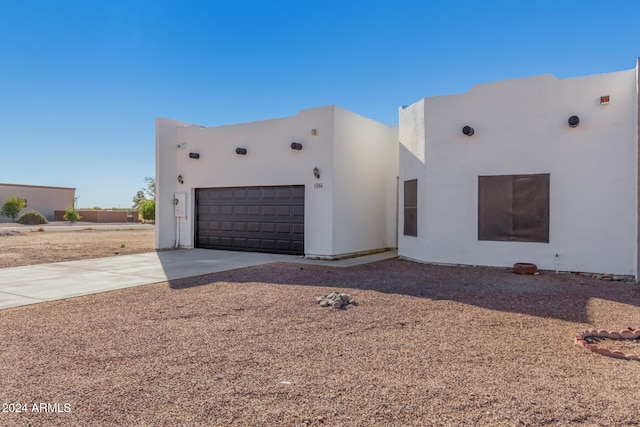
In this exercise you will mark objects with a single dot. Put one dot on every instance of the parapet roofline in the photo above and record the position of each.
(37, 186)
(541, 77)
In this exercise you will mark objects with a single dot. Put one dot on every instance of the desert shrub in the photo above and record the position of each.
(12, 207)
(32, 218)
(148, 210)
(71, 215)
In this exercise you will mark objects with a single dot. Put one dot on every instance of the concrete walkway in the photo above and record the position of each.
(47, 282)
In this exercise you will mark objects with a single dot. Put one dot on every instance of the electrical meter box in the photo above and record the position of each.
(180, 205)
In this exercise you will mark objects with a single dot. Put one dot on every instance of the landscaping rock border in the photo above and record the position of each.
(581, 340)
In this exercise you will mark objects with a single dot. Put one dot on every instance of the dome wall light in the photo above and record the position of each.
(194, 155)
(241, 151)
(296, 146)
(573, 121)
(468, 130)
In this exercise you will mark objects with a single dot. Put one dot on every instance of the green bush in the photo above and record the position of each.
(12, 207)
(32, 218)
(148, 210)
(71, 215)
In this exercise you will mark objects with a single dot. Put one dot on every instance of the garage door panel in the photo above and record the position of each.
(268, 210)
(253, 194)
(283, 245)
(225, 241)
(268, 193)
(208, 241)
(283, 193)
(266, 219)
(268, 227)
(268, 244)
(283, 211)
(239, 242)
(297, 193)
(283, 227)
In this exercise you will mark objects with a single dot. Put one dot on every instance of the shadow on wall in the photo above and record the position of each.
(545, 295)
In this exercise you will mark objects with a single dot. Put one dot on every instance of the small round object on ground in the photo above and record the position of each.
(525, 268)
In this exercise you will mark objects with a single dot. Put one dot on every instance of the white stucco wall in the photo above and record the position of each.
(269, 161)
(638, 168)
(412, 166)
(166, 180)
(43, 199)
(365, 170)
(521, 128)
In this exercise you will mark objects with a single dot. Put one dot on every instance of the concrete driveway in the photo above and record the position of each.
(47, 282)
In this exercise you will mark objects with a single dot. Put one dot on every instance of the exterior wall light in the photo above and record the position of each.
(296, 146)
(316, 173)
(468, 130)
(241, 151)
(573, 121)
(194, 155)
(180, 179)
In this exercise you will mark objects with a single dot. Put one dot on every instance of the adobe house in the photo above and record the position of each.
(537, 170)
(321, 184)
(43, 199)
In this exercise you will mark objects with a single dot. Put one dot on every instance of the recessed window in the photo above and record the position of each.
(411, 208)
(514, 208)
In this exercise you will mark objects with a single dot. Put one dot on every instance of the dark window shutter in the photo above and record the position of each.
(494, 207)
(531, 208)
(411, 208)
(514, 208)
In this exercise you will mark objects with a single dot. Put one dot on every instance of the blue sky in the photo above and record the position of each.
(82, 82)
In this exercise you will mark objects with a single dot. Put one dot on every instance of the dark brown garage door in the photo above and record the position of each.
(256, 219)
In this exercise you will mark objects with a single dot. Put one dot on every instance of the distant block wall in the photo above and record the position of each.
(97, 216)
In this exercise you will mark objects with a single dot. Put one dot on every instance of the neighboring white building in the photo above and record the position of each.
(537, 170)
(529, 184)
(332, 195)
(43, 199)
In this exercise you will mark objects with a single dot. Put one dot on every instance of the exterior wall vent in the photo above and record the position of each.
(573, 121)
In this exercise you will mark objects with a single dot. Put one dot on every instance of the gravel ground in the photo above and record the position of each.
(426, 345)
(20, 248)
